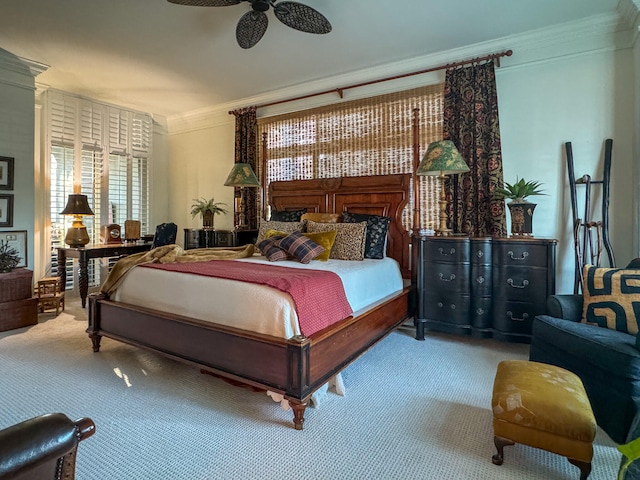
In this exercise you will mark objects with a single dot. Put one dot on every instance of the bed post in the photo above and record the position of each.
(415, 230)
(94, 319)
(263, 174)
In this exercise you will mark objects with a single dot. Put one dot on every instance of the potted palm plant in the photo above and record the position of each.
(208, 209)
(521, 210)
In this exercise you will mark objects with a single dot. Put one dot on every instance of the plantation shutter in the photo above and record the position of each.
(103, 152)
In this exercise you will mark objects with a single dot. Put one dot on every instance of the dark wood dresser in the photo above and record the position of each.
(484, 287)
(203, 238)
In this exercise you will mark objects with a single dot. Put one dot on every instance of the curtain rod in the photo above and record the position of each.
(340, 91)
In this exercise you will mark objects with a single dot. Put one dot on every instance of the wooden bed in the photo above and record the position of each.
(294, 368)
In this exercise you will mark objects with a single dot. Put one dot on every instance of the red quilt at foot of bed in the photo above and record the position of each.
(318, 295)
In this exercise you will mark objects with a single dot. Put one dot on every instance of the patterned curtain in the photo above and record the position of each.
(471, 122)
(246, 144)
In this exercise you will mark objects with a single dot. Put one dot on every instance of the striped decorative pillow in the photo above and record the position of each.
(302, 248)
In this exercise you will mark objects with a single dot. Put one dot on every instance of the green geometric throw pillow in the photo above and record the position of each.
(612, 298)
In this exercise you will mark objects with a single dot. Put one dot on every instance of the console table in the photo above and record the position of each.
(83, 254)
(485, 287)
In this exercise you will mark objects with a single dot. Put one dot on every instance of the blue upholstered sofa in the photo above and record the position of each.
(607, 361)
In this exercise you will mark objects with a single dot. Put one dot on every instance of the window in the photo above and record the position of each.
(372, 136)
(100, 151)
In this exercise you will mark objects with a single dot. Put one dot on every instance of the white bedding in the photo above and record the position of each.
(252, 307)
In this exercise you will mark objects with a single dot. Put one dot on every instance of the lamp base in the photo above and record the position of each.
(77, 237)
(444, 233)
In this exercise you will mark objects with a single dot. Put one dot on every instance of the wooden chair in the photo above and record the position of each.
(50, 294)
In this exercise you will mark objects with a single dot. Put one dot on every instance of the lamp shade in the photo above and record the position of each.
(77, 205)
(442, 158)
(242, 175)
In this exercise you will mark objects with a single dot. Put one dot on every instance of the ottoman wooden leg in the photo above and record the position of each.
(585, 467)
(500, 442)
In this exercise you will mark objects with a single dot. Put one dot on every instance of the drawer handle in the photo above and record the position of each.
(513, 257)
(451, 277)
(524, 283)
(451, 252)
(480, 279)
(480, 311)
(524, 316)
(440, 305)
(479, 254)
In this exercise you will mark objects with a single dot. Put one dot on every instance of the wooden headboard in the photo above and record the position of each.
(378, 195)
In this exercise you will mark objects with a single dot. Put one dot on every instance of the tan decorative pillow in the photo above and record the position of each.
(286, 227)
(322, 217)
(350, 238)
(612, 298)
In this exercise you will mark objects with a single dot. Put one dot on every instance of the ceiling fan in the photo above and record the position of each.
(253, 24)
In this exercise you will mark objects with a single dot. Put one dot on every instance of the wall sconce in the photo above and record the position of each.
(442, 158)
(78, 206)
(242, 176)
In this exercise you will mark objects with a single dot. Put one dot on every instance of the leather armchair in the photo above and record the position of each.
(42, 448)
(607, 361)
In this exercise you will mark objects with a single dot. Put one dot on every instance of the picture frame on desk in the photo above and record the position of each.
(18, 240)
(6, 210)
(6, 173)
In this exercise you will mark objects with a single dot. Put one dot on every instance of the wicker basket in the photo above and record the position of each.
(17, 314)
(16, 285)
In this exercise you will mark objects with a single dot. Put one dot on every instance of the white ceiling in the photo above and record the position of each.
(169, 59)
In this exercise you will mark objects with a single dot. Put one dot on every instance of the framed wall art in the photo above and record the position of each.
(6, 210)
(17, 240)
(6, 173)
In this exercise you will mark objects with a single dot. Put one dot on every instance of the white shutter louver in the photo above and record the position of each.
(62, 121)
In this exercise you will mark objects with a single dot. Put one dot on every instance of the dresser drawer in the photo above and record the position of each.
(520, 284)
(480, 312)
(515, 317)
(437, 250)
(446, 277)
(452, 309)
(520, 254)
(481, 280)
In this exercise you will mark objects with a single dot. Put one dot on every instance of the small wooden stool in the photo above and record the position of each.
(543, 406)
(49, 294)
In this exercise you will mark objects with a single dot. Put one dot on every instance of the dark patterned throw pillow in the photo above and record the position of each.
(271, 250)
(302, 248)
(377, 228)
(287, 215)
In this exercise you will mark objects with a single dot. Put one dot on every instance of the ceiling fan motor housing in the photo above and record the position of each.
(260, 5)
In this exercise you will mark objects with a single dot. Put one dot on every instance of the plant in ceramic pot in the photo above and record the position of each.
(521, 209)
(9, 258)
(207, 208)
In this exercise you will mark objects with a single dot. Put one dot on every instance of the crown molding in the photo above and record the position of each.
(19, 72)
(629, 11)
(598, 33)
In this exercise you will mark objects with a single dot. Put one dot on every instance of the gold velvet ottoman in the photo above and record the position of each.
(542, 406)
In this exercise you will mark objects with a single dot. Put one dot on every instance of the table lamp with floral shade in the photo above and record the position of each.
(442, 158)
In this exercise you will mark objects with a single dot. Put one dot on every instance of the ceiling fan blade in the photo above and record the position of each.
(251, 28)
(206, 3)
(301, 17)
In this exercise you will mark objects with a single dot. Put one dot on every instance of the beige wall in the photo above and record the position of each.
(200, 162)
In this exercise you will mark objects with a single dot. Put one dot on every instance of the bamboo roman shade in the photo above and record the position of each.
(371, 136)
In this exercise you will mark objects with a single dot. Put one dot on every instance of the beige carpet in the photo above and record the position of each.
(412, 410)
